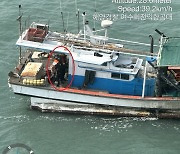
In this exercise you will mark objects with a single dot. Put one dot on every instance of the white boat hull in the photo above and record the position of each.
(83, 101)
(100, 98)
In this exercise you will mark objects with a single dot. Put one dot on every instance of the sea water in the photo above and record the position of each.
(58, 133)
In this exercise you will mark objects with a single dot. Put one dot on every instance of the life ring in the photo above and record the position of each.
(18, 145)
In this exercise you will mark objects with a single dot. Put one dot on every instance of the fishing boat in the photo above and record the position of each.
(95, 74)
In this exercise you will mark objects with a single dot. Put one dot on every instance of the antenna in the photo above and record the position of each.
(94, 28)
(77, 15)
(84, 23)
(67, 22)
(62, 17)
(20, 31)
(20, 22)
(78, 21)
(63, 21)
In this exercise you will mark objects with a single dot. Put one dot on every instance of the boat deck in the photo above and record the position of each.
(15, 78)
(27, 57)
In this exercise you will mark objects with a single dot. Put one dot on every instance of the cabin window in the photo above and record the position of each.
(115, 75)
(42, 27)
(104, 64)
(125, 76)
(120, 76)
(98, 54)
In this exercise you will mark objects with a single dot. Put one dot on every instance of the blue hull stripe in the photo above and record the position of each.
(133, 87)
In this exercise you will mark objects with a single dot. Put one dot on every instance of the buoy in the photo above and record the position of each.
(31, 82)
(34, 82)
(27, 81)
(42, 81)
(24, 81)
(38, 82)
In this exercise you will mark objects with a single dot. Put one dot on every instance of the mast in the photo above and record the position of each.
(78, 21)
(77, 15)
(63, 22)
(62, 17)
(94, 28)
(84, 24)
(19, 19)
(67, 24)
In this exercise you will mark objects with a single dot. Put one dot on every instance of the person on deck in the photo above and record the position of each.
(61, 69)
(53, 70)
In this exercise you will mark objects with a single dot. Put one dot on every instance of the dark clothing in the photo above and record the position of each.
(60, 68)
